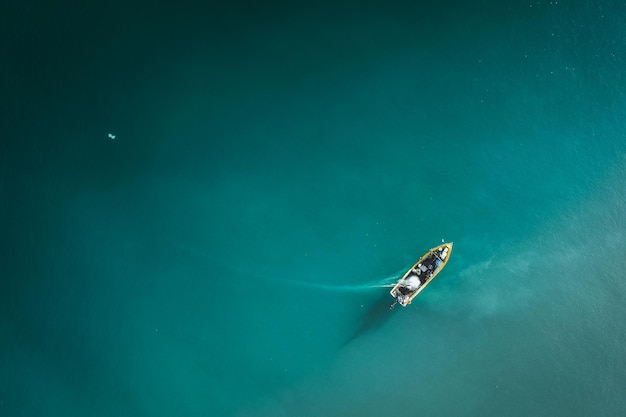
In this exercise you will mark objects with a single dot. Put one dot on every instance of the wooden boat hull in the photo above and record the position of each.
(421, 274)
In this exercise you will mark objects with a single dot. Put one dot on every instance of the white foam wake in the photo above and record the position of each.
(386, 282)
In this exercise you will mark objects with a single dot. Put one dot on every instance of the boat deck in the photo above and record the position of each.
(416, 278)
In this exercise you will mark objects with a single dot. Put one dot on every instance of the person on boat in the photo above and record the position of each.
(412, 282)
(401, 299)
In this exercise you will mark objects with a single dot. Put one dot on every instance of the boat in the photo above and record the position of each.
(420, 274)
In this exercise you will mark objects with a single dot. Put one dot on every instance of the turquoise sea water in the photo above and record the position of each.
(274, 167)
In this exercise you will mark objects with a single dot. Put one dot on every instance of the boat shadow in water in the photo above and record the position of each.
(374, 317)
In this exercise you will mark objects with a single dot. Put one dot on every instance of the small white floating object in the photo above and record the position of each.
(111, 136)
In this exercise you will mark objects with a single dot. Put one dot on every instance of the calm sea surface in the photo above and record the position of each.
(201, 204)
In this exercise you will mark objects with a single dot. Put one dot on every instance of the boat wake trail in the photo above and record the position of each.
(387, 282)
